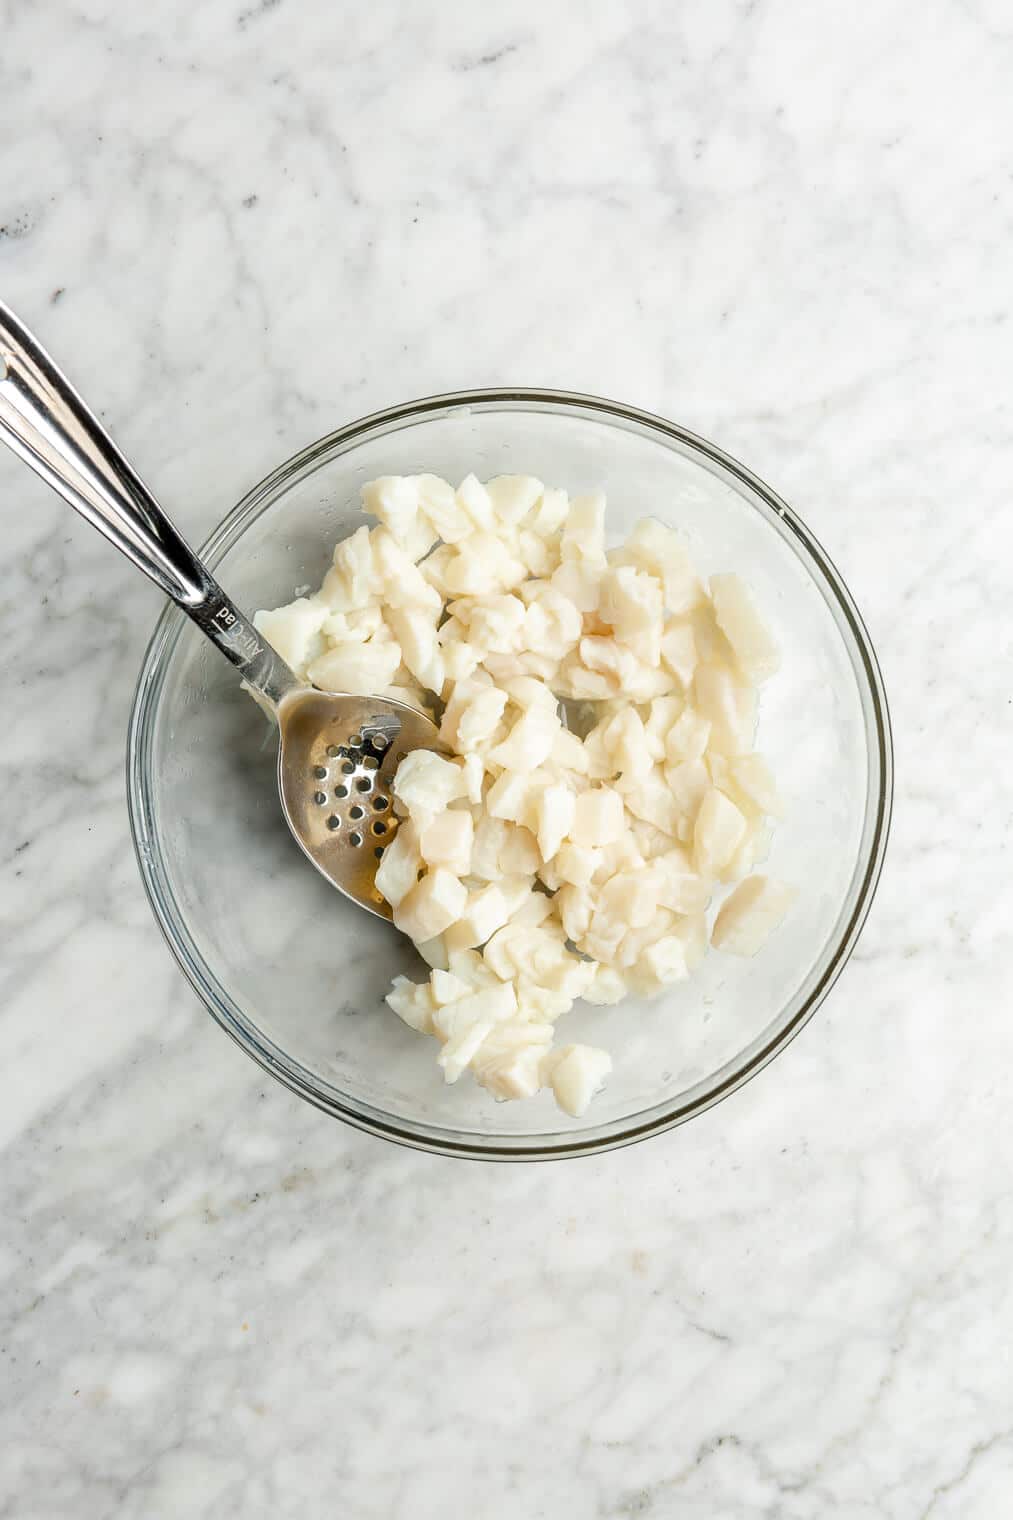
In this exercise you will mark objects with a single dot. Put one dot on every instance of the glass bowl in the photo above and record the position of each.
(297, 976)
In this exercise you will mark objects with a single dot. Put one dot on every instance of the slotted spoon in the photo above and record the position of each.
(337, 753)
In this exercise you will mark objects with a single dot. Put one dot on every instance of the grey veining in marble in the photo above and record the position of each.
(789, 227)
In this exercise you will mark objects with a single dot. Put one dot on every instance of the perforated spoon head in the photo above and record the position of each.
(338, 753)
(336, 764)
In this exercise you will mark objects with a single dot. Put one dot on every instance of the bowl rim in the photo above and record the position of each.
(215, 998)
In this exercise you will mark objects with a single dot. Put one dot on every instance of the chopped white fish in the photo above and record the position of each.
(753, 911)
(549, 857)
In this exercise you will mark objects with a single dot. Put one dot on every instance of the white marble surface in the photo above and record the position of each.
(240, 224)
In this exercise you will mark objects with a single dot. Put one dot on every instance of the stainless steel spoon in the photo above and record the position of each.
(337, 753)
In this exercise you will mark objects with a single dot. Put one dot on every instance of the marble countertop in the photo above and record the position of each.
(789, 228)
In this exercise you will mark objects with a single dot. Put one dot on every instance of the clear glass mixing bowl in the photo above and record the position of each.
(297, 975)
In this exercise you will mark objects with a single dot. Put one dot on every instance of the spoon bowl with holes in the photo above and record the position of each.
(337, 753)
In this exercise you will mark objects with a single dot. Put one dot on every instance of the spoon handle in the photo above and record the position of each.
(45, 422)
